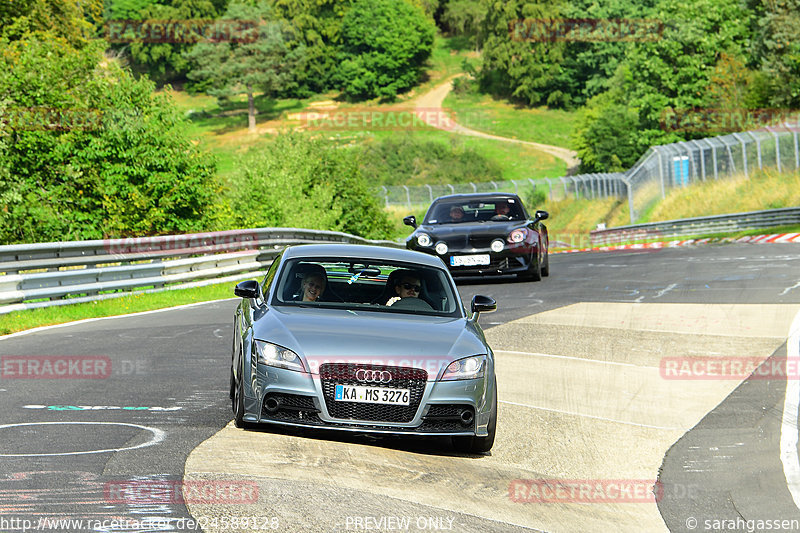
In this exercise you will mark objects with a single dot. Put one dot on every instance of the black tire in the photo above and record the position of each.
(546, 267)
(534, 272)
(237, 402)
(479, 445)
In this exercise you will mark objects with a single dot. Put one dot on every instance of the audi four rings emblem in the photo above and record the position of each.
(373, 376)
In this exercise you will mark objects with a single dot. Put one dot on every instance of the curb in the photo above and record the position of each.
(754, 239)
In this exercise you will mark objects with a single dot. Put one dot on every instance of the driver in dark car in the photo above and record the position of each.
(502, 211)
(407, 286)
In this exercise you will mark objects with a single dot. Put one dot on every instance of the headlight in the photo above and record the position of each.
(497, 245)
(441, 248)
(518, 235)
(278, 356)
(467, 368)
(423, 239)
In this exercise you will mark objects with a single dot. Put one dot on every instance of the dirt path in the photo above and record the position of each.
(434, 99)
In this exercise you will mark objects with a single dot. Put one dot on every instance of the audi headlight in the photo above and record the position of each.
(518, 235)
(278, 356)
(423, 239)
(467, 368)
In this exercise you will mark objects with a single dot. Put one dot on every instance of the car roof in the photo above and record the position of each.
(475, 195)
(361, 251)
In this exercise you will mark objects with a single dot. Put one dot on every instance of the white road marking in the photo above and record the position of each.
(158, 436)
(665, 290)
(614, 363)
(590, 416)
(787, 289)
(74, 322)
(789, 458)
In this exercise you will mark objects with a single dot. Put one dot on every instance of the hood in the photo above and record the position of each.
(474, 228)
(333, 335)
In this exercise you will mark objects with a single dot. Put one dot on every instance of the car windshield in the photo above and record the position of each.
(474, 210)
(367, 285)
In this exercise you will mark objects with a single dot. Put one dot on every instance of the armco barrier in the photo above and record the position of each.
(730, 223)
(59, 273)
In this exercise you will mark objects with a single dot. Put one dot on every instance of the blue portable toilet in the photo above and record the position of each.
(681, 169)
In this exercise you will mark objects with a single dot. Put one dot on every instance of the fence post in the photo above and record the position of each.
(796, 152)
(493, 183)
(452, 189)
(430, 192)
(385, 195)
(713, 157)
(744, 154)
(408, 196)
(661, 174)
(474, 188)
(777, 149)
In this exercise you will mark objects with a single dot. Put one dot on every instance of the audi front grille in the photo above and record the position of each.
(413, 379)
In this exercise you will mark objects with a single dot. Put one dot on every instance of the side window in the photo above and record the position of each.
(270, 274)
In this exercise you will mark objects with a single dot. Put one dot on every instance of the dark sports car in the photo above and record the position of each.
(364, 339)
(479, 234)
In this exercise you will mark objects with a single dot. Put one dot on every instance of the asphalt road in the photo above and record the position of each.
(583, 398)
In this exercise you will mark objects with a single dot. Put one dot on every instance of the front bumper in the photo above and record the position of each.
(305, 400)
(511, 260)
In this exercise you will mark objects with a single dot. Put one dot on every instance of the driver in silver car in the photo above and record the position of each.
(407, 286)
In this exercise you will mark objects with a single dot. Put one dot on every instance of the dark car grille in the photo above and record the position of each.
(291, 408)
(448, 418)
(402, 378)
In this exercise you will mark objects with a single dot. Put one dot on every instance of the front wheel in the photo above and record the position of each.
(546, 267)
(237, 402)
(480, 444)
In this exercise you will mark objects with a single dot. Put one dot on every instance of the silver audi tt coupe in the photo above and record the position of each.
(364, 339)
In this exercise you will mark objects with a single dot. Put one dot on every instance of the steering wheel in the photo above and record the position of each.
(412, 304)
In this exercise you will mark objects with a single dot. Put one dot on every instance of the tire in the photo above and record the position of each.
(237, 402)
(478, 445)
(546, 267)
(534, 272)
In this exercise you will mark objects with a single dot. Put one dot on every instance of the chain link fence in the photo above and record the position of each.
(660, 169)
(586, 185)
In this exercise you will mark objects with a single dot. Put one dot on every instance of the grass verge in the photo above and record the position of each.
(47, 316)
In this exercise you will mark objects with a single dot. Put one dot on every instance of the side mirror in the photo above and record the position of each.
(542, 215)
(410, 220)
(482, 304)
(247, 289)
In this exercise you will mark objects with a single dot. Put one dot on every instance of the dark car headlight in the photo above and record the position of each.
(466, 368)
(278, 356)
(518, 235)
(423, 239)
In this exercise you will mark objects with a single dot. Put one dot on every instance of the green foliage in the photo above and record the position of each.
(304, 183)
(91, 152)
(318, 29)
(68, 19)
(406, 160)
(536, 197)
(261, 62)
(385, 44)
(464, 17)
(777, 50)
(513, 66)
(165, 61)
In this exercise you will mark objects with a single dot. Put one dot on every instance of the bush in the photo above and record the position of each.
(92, 152)
(304, 183)
(385, 45)
(408, 160)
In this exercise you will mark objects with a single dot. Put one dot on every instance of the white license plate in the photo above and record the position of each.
(360, 394)
(469, 260)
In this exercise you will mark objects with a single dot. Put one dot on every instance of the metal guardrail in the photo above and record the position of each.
(59, 273)
(729, 223)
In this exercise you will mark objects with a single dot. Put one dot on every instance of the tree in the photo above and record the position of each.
(91, 152)
(777, 50)
(303, 182)
(515, 65)
(385, 44)
(464, 17)
(261, 61)
(71, 20)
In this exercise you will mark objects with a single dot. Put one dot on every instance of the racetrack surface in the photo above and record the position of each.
(582, 391)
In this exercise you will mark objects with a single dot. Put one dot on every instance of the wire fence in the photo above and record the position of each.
(586, 185)
(659, 170)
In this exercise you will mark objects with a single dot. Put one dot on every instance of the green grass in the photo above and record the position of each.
(45, 316)
(484, 113)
